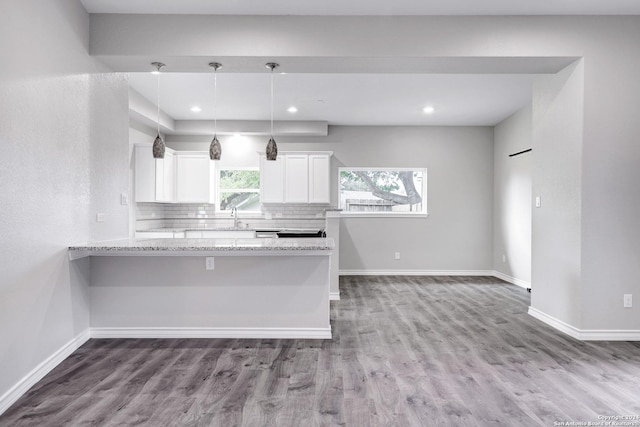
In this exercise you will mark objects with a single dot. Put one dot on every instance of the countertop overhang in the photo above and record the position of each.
(182, 229)
(205, 247)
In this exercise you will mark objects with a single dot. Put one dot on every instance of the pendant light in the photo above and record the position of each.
(215, 149)
(158, 144)
(272, 148)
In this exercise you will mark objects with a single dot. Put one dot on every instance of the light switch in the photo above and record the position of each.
(124, 199)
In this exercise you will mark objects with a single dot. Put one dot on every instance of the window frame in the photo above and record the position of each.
(423, 213)
(219, 190)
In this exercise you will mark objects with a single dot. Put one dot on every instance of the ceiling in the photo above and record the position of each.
(368, 7)
(373, 97)
(341, 99)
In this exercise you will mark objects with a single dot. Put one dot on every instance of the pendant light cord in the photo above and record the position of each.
(158, 101)
(215, 102)
(271, 102)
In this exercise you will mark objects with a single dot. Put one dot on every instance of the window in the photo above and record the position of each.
(383, 191)
(239, 188)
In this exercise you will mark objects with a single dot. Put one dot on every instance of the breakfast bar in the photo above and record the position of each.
(209, 288)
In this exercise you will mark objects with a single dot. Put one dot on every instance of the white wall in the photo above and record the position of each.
(512, 198)
(237, 150)
(557, 131)
(611, 180)
(63, 131)
(244, 293)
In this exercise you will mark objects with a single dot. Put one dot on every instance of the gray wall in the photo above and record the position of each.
(512, 198)
(63, 132)
(456, 235)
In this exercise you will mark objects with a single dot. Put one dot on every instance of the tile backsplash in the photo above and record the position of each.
(150, 216)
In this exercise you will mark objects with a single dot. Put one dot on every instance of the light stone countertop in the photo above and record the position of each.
(181, 229)
(203, 247)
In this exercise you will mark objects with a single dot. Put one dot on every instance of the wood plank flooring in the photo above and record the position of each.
(407, 351)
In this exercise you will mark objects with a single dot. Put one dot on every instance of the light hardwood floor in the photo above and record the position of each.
(407, 351)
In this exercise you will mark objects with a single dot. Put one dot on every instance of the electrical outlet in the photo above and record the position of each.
(209, 263)
(628, 300)
(100, 217)
(538, 201)
(397, 255)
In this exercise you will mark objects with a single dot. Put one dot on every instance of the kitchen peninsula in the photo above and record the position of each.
(209, 288)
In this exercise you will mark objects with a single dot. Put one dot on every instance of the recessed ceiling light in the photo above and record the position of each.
(196, 109)
(428, 110)
(292, 109)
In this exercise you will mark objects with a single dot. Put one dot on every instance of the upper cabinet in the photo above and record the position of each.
(154, 178)
(319, 178)
(296, 177)
(194, 178)
(271, 180)
(183, 177)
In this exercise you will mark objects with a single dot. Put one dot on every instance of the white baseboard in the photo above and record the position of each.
(334, 296)
(299, 333)
(555, 323)
(586, 334)
(22, 386)
(512, 280)
(416, 272)
(493, 273)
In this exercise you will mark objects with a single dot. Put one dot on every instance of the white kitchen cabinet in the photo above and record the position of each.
(319, 178)
(159, 234)
(228, 234)
(271, 180)
(166, 178)
(194, 178)
(220, 234)
(154, 178)
(296, 178)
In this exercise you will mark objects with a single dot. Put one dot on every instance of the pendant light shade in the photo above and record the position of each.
(158, 147)
(158, 144)
(272, 147)
(215, 149)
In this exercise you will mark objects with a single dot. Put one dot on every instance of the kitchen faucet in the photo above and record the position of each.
(234, 215)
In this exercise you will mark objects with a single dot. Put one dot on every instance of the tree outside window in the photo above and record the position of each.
(240, 189)
(383, 191)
